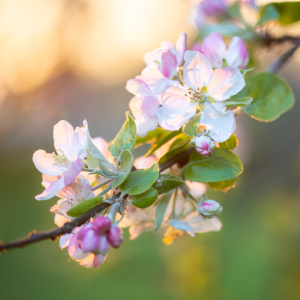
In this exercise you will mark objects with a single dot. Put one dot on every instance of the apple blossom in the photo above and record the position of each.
(71, 148)
(214, 49)
(145, 104)
(168, 58)
(72, 194)
(209, 9)
(209, 209)
(204, 145)
(179, 103)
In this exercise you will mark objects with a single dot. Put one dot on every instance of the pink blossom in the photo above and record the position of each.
(72, 194)
(179, 103)
(204, 144)
(115, 237)
(168, 58)
(71, 148)
(214, 49)
(209, 9)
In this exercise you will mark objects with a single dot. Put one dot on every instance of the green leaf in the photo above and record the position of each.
(162, 141)
(268, 12)
(126, 162)
(271, 96)
(166, 183)
(150, 137)
(161, 208)
(125, 139)
(238, 102)
(140, 181)
(178, 146)
(190, 128)
(223, 185)
(221, 165)
(104, 171)
(288, 12)
(146, 199)
(94, 155)
(230, 144)
(84, 206)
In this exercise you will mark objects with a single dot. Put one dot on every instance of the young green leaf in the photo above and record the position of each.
(104, 171)
(140, 181)
(190, 128)
(167, 182)
(288, 12)
(230, 144)
(271, 97)
(238, 102)
(146, 199)
(221, 165)
(94, 155)
(126, 162)
(162, 141)
(268, 12)
(125, 139)
(150, 137)
(178, 146)
(161, 208)
(223, 185)
(84, 206)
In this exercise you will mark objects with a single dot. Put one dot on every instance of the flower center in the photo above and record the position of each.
(195, 96)
(60, 159)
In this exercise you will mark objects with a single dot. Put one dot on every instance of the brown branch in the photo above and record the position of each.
(69, 226)
(275, 66)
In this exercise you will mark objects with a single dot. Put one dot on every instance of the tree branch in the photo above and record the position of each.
(277, 64)
(69, 226)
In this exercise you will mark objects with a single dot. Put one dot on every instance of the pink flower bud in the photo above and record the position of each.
(90, 240)
(115, 237)
(237, 53)
(210, 209)
(103, 245)
(214, 7)
(101, 225)
(204, 144)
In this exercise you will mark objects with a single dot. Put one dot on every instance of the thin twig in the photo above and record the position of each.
(275, 66)
(69, 226)
(102, 184)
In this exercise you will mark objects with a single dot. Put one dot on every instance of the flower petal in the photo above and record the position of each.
(168, 64)
(138, 228)
(214, 49)
(74, 170)
(201, 225)
(153, 57)
(52, 190)
(145, 124)
(218, 121)
(197, 70)
(65, 240)
(63, 135)
(44, 162)
(237, 54)
(180, 225)
(80, 141)
(148, 105)
(154, 80)
(143, 163)
(180, 48)
(225, 83)
(137, 85)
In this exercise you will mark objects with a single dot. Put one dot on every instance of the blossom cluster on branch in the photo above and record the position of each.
(184, 107)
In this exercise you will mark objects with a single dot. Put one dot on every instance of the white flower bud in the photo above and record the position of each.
(210, 209)
(204, 144)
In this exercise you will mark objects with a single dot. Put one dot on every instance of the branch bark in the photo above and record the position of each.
(69, 226)
(277, 64)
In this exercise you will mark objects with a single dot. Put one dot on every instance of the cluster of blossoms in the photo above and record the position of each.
(177, 84)
(184, 104)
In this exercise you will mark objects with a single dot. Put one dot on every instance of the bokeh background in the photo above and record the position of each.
(70, 59)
